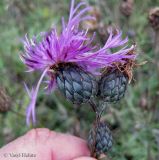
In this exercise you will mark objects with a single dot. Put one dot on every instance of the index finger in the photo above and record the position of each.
(46, 144)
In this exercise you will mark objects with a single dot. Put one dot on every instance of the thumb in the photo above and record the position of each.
(45, 144)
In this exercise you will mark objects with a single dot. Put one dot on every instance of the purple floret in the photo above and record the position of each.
(72, 45)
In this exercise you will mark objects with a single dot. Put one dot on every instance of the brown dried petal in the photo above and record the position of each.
(126, 7)
(154, 17)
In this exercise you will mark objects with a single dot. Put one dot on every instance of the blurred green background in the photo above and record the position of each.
(134, 121)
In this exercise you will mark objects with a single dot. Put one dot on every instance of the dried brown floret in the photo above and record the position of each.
(154, 17)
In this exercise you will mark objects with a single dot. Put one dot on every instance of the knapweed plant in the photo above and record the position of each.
(70, 62)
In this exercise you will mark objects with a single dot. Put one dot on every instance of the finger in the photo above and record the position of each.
(32, 143)
(65, 146)
(46, 144)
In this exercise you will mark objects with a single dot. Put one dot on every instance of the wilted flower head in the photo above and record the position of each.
(72, 45)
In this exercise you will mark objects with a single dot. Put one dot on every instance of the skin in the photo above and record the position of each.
(46, 145)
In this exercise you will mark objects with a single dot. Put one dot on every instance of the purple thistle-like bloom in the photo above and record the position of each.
(72, 45)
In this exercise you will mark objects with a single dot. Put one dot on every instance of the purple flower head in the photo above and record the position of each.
(72, 45)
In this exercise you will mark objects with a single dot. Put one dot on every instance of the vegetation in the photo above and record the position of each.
(134, 121)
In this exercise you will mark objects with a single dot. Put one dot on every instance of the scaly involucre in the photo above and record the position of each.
(72, 45)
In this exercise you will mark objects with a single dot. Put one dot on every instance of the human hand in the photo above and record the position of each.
(43, 144)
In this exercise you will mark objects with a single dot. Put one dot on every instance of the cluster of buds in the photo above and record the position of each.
(80, 70)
